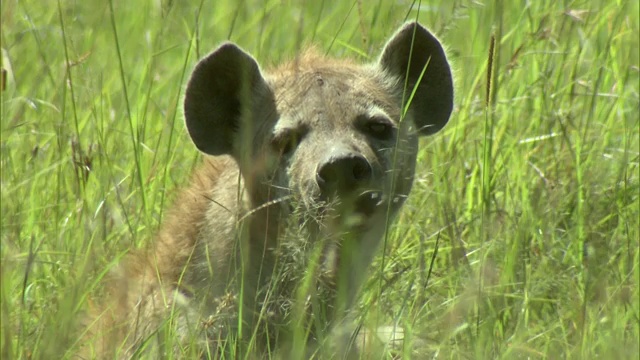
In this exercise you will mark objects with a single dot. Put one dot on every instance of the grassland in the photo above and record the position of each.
(520, 239)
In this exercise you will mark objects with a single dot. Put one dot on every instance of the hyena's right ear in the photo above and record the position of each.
(220, 99)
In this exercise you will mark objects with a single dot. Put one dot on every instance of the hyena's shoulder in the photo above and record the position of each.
(198, 208)
(145, 281)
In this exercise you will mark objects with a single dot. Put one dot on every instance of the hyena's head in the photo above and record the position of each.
(324, 133)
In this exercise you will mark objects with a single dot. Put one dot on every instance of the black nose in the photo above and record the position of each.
(343, 174)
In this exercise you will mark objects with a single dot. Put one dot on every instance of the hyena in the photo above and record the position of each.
(304, 167)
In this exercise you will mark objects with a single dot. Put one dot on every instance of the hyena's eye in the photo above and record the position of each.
(285, 141)
(379, 128)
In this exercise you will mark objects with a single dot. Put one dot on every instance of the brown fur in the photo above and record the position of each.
(317, 143)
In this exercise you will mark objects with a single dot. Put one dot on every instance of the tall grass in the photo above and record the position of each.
(520, 238)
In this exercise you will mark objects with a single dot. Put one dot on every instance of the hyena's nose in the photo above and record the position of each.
(343, 174)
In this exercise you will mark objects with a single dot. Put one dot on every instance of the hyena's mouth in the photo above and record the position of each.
(368, 202)
(339, 213)
(357, 212)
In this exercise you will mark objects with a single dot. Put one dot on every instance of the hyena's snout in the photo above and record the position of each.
(348, 176)
(343, 174)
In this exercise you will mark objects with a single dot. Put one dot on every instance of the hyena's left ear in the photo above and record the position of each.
(410, 52)
(222, 100)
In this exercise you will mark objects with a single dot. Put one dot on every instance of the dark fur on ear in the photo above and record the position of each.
(220, 98)
(405, 56)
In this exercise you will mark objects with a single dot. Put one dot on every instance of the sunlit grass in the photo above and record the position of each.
(536, 235)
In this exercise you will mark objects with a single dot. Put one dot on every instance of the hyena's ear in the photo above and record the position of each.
(410, 52)
(220, 100)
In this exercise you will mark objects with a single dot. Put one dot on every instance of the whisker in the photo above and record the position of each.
(267, 204)
(279, 187)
